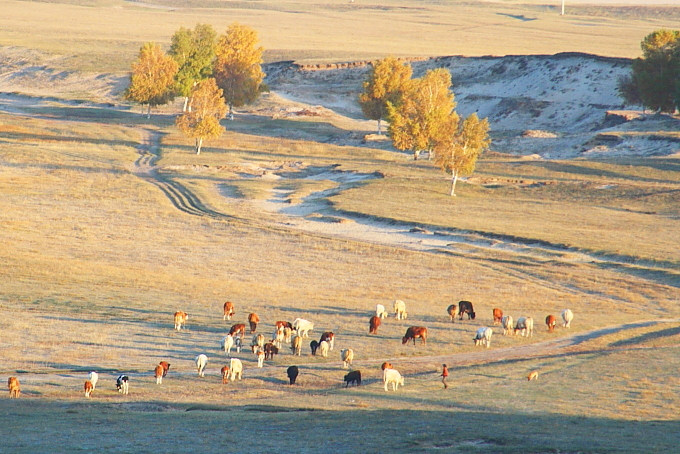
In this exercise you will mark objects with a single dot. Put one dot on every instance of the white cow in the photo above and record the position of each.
(201, 362)
(227, 343)
(260, 358)
(235, 369)
(400, 310)
(508, 326)
(483, 336)
(567, 316)
(380, 311)
(323, 348)
(526, 326)
(303, 327)
(347, 356)
(278, 338)
(93, 377)
(394, 377)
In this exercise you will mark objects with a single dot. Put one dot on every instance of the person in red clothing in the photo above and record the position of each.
(445, 374)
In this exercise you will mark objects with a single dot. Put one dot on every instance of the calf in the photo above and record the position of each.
(296, 345)
(123, 384)
(497, 316)
(181, 319)
(201, 361)
(270, 350)
(380, 311)
(329, 337)
(239, 329)
(278, 338)
(567, 316)
(533, 375)
(158, 373)
(465, 307)
(14, 387)
(225, 374)
(314, 346)
(394, 377)
(228, 310)
(236, 369)
(93, 377)
(400, 310)
(347, 356)
(88, 388)
(353, 377)
(415, 332)
(373, 325)
(452, 310)
(253, 320)
(323, 348)
(550, 320)
(483, 336)
(292, 373)
(508, 327)
(260, 358)
(166, 367)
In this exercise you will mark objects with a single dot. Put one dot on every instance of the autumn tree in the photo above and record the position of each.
(194, 52)
(237, 67)
(423, 117)
(385, 83)
(208, 108)
(152, 77)
(457, 154)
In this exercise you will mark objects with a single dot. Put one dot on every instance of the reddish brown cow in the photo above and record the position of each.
(452, 310)
(158, 373)
(550, 320)
(386, 365)
(281, 324)
(497, 316)
(228, 310)
(166, 367)
(180, 319)
(329, 337)
(373, 324)
(253, 319)
(13, 386)
(88, 388)
(238, 329)
(225, 374)
(415, 332)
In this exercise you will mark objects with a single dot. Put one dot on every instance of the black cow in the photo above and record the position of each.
(465, 307)
(353, 377)
(314, 345)
(292, 372)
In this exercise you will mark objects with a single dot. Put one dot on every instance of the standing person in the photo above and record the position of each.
(445, 374)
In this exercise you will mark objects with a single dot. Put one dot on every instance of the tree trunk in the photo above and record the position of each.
(379, 123)
(199, 144)
(416, 153)
(148, 112)
(231, 112)
(186, 103)
(454, 178)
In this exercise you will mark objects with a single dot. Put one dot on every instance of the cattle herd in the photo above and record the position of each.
(294, 333)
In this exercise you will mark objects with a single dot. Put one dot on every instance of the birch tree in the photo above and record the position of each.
(152, 77)
(208, 108)
(238, 69)
(386, 82)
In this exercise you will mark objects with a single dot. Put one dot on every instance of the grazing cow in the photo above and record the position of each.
(123, 384)
(88, 388)
(533, 375)
(353, 377)
(270, 350)
(239, 329)
(257, 342)
(373, 325)
(483, 336)
(567, 316)
(380, 311)
(278, 338)
(201, 361)
(287, 334)
(227, 344)
(465, 307)
(260, 358)
(329, 337)
(93, 377)
(166, 367)
(303, 327)
(394, 377)
(347, 356)
(14, 387)
(253, 319)
(225, 374)
(386, 365)
(314, 345)
(508, 325)
(526, 326)
(400, 310)
(415, 332)
(282, 324)
(235, 369)
(158, 373)
(238, 343)
(452, 310)
(497, 316)
(181, 319)
(292, 373)
(323, 348)
(296, 345)
(550, 320)
(228, 310)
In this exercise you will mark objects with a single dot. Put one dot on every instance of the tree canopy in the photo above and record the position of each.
(208, 108)
(425, 115)
(385, 83)
(152, 77)
(237, 67)
(194, 52)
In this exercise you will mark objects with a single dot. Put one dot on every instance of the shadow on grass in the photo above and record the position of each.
(664, 333)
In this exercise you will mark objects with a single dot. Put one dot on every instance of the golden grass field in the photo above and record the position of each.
(110, 223)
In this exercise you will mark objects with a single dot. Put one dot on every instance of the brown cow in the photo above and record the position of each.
(239, 329)
(158, 373)
(281, 324)
(373, 325)
(13, 386)
(329, 337)
(497, 316)
(228, 310)
(465, 307)
(550, 320)
(253, 319)
(181, 319)
(452, 310)
(166, 367)
(533, 375)
(386, 365)
(270, 350)
(88, 388)
(296, 345)
(225, 374)
(415, 332)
